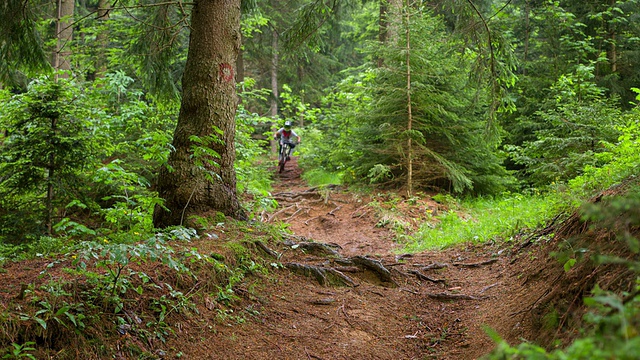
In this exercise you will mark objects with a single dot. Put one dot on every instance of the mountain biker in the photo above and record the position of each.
(284, 134)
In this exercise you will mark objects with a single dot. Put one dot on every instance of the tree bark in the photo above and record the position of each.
(64, 34)
(390, 12)
(209, 101)
(409, 114)
(274, 87)
(102, 38)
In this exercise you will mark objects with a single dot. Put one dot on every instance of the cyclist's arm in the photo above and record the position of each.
(293, 133)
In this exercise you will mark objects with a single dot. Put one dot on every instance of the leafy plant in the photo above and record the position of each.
(20, 351)
(47, 147)
(578, 126)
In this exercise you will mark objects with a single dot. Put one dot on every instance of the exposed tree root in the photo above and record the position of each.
(324, 276)
(326, 301)
(373, 265)
(334, 275)
(320, 249)
(260, 245)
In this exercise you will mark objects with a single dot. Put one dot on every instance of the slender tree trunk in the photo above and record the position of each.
(50, 180)
(64, 34)
(301, 121)
(527, 34)
(394, 21)
(209, 102)
(60, 61)
(102, 38)
(613, 52)
(388, 23)
(382, 27)
(274, 86)
(409, 115)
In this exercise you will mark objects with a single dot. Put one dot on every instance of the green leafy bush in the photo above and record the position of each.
(48, 145)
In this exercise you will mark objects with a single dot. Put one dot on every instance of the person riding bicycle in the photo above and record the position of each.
(284, 134)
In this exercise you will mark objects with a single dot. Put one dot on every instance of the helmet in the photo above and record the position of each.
(287, 125)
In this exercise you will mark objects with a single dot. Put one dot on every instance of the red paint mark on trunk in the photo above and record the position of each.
(226, 72)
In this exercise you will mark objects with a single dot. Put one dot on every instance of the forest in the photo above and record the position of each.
(451, 153)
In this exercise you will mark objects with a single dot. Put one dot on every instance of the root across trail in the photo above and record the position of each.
(348, 294)
(338, 287)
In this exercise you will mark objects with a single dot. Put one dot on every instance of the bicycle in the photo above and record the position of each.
(284, 155)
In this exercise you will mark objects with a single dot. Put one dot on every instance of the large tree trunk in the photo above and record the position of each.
(209, 101)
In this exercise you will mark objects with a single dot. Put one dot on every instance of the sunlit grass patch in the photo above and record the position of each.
(482, 219)
(319, 177)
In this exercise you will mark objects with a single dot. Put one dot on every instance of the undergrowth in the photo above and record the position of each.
(611, 327)
(481, 220)
(319, 177)
(101, 291)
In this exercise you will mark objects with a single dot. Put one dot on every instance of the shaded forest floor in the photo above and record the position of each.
(432, 304)
(337, 288)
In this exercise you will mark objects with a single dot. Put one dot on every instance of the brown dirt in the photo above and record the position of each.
(434, 305)
(301, 319)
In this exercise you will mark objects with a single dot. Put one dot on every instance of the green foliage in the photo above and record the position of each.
(612, 328)
(252, 171)
(20, 351)
(577, 126)
(21, 45)
(483, 219)
(620, 159)
(364, 131)
(319, 177)
(47, 146)
(613, 334)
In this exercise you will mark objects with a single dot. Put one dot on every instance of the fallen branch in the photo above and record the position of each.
(334, 210)
(433, 266)
(422, 276)
(488, 287)
(445, 296)
(478, 264)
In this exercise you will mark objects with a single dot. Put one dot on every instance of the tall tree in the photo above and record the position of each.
(64, 35)
(196, 179)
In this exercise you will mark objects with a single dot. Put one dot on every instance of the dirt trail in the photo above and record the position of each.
(433, 307)
(388, 305)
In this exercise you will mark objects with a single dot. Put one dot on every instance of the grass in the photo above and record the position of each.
(319, 177)
(481, 220)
